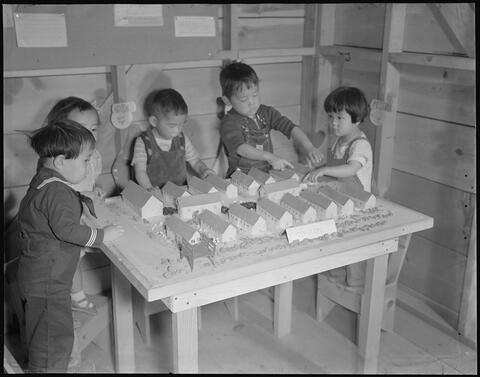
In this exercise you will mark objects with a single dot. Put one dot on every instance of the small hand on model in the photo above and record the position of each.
(279, 163)
(314, 175)
(112, 232)
(314, 157)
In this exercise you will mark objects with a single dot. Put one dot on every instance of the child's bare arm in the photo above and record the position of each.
(141, 177)
(340, 171)
(252, 153)
(201, 168)
(313, 155)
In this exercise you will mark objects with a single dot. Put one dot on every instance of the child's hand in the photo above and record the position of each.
(112, 232)
(208, 172)
(314, 175)
(99, 193)
(279, 163)
(314, 157)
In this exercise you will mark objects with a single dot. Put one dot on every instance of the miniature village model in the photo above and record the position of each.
(344, 203)
(189, 205)
(245, 183)
(171, 192)
(247, 220)
(302, 211)
(260, 176)
(218, 229)
(277, 217)
(275, 191)
(326, 207)
(141, 201)
(199, 186)
(228, 190)
(280, 175)
(362, 199)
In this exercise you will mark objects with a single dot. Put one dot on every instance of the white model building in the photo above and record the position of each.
(247, 220)
(245, 183)
(260, 176)
(200, 186)
(361, 199)
(301, 210)
(218, 229)
(228, 189)
(171, 192)
(188, 205)
(141, 201)
(276, 216)
(326, 207)
(280, 175)
(179, 230)
(343, 202)
(275, 191)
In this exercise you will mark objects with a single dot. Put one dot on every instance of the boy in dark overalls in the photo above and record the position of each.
(50, 238)
(245, 129)
(161, 153)
(350, 158)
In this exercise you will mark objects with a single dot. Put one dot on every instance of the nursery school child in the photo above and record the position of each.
(350, 157)
(245, 129)
(161, 153)
(51, 238)
(82, 112)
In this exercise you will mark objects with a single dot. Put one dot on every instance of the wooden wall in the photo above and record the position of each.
(433, 169)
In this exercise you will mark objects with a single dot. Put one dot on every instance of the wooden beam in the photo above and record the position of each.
(265, 52)
(467, 323)
(230, 30)
(441, 61)
(357, 53)
(455, 21)
(388, 92)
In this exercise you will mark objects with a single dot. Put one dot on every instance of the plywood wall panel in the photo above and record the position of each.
(440, 151)
(451, 209)
(444, 94)
(434, 271)
(19, 160)
(11, 201)
(424, 34)
(359, 24)
(28, 100)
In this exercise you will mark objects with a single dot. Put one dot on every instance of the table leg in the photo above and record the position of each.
(371, 312)
(122, 322)
(185, 341)
(282, 314)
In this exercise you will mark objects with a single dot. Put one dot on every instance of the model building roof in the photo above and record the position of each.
(316, 198)
(295, 203)
(219, 183)
(135, 194)
(214, 221)
(300, 169)
(356, 192)
(334, 195)
(180, 227)
(260, 176)
(245, 214)
(173, 190)
(242, 178)
(196, 184)
(276, 210)
(283, 174)
(280, 186)
(200, 199)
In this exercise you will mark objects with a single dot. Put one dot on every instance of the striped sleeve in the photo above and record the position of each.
(139, 154)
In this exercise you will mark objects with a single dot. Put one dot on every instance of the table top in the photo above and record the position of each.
(152, 263)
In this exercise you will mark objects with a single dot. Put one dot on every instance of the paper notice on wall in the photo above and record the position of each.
(194, 26)
(138, 15)
(40, 30)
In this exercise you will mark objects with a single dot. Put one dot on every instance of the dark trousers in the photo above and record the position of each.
(49, 333)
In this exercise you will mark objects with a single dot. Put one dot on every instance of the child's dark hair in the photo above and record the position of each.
(65, 106)
(58, 137)
(234, 75)
(165, 101)
(350, 99)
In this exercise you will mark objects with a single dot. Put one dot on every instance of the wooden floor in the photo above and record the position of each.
(248, 345)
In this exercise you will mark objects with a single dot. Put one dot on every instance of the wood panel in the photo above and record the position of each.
(444, 94)
(452, 209)
(424, 34)
(11, 202)
(440, 151)
(359, 24)
(434, 271)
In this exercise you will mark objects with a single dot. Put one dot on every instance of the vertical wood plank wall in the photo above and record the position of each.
(433, 157)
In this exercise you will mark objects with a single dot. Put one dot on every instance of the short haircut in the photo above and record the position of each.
(65, 106)
(350, 99)
(164, 102)
(59, 137)
(234, 75)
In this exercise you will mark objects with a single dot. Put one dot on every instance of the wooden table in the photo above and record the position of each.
(139, 258)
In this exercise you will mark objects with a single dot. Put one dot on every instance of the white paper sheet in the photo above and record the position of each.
(138, 15)
(40, 30)
(194, 26)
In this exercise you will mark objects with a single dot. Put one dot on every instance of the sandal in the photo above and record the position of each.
(84, 305)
